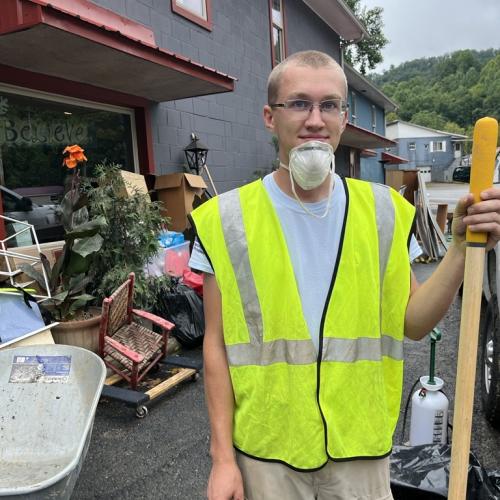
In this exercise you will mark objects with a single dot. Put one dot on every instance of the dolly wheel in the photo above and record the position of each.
(141, 411)
(195, 377)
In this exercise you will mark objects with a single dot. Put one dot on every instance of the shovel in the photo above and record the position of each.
(483, 161)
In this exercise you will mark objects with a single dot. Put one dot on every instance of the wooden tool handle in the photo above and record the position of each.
(483, 160)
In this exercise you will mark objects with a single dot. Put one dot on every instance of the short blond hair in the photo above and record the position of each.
(311, 58)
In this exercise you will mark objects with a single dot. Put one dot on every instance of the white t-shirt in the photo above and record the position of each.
(312, 244)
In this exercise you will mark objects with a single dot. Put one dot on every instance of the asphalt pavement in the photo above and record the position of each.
(165, 455)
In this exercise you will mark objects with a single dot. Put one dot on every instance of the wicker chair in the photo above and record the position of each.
(127, 347)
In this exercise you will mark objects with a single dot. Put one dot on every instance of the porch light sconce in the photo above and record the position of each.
(196, 154)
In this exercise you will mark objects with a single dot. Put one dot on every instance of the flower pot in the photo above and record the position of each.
(81, 333)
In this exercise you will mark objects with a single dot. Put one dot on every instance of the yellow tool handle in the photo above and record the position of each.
(483, 162)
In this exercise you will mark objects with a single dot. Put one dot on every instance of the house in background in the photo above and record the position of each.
(434, 152)
(130, 80)
(367, 109)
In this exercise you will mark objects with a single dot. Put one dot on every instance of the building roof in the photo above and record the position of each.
(393, 159)
(360, 138)
(337, 15)
(79, 41)
(363, 86)
(420, 128)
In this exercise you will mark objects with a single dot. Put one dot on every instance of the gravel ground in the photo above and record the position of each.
(166, 456)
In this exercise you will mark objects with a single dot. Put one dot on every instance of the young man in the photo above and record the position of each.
(308, 293)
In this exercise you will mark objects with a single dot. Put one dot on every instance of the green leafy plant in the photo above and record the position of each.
(72, 272)
(132, 223)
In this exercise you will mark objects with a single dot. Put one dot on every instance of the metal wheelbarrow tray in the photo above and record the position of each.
(48, 399)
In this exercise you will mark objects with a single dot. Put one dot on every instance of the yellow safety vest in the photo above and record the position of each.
(292, 404)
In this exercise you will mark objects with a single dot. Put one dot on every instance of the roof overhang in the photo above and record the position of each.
(79, 41)
(368, 153)
(363, 86)
(340, 18)
(360, 138)
(392, 159)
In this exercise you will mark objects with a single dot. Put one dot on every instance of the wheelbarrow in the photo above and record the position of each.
(48, 399)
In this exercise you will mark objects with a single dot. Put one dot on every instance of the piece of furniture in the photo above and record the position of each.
(130, 349)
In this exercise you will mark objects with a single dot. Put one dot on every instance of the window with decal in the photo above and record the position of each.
(197, 11)
(34, 129)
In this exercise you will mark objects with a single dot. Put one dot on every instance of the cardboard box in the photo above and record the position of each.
(177, 192)
(133, 182)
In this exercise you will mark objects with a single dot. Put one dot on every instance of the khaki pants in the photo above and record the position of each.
(355, 480)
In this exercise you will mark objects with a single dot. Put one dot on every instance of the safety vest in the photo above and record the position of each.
(292, 404)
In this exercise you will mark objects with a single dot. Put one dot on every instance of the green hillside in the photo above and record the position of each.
(448, 92)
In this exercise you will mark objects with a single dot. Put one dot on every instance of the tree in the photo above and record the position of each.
(367, 53)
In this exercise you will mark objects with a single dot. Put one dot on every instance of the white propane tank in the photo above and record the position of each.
(429, 414)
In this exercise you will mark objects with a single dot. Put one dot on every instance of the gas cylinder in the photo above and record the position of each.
(429, 413)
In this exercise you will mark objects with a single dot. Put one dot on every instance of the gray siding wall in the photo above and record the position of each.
(364, 114)
(438, 161)
(370, 169)
(229, 124)
(422, 156)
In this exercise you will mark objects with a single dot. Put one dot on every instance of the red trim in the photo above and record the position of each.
(285, 44)
(368, 153)
(283, 30)
(394, 159)
(16, 16)
(191, 16)
(270, 4)
(369, 132)
(90, 28)
(102, 17)
(53, 85)
(145, 138)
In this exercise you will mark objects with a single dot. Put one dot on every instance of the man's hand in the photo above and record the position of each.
(225, 482)
(479, 217)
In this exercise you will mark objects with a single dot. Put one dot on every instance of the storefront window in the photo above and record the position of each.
(34, 130)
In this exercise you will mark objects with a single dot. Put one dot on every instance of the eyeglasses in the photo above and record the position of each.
(330, 107)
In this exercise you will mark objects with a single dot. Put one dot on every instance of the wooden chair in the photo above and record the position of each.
(127, 347)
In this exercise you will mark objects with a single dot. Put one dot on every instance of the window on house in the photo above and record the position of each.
(438, 146)
(458, 146)
(277, 31)
(374, 118)
(412, 146)
(197, 11)
(34, 129)
(353, 108)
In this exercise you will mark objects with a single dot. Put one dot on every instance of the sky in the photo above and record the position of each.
(427, 28)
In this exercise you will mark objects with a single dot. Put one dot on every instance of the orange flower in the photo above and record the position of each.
(70, 162)
(73, 155)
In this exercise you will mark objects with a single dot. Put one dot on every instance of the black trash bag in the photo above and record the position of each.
(183, 307)
(422, 472)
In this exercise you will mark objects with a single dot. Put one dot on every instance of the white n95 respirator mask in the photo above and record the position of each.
(309, 165)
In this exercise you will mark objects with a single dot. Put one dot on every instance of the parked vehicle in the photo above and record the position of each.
(45, 218)
(490, 340)
(461, 174)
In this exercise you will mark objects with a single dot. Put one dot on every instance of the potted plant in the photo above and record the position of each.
(130, 236)
(73, 270)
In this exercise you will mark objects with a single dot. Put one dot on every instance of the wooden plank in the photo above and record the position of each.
(442, 216)
(113, 379)
(164, 386)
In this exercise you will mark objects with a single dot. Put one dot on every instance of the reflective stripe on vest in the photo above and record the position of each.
(299, 352)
